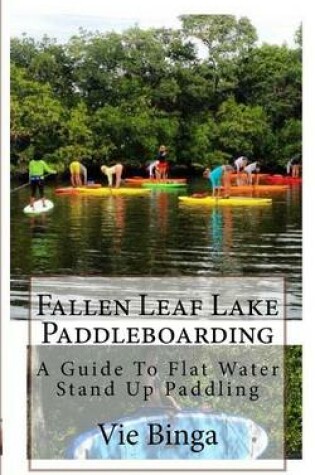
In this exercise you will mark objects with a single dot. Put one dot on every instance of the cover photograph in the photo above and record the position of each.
(154, 240)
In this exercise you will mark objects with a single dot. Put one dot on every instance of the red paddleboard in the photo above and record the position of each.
(258, 188)
(283, 180)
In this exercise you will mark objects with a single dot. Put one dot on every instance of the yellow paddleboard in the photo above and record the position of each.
(112, 191)
(232, 201)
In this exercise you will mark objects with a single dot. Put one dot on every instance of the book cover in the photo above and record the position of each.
(153, 248)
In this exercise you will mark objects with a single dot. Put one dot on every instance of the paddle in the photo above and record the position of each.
(26, 184)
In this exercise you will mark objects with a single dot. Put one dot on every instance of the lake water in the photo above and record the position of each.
(155, 236)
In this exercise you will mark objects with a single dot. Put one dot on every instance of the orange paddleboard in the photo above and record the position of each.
(141, 181)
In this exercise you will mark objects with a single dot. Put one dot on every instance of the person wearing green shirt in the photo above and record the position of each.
(37, 169)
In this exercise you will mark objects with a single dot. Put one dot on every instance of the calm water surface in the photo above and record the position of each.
(154, 235)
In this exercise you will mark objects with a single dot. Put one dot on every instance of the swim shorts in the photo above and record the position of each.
(75, 168)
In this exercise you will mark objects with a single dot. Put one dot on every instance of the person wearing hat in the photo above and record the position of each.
(161, 167)
(114, 170)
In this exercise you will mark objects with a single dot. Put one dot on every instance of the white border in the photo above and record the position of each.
(14, 334)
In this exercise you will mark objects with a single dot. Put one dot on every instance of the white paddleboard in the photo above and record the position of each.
(38, 207)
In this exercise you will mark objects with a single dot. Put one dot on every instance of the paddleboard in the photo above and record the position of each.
(112, 191)
(284, 180)
(232, 201)
(244, 174)
(240, 438)
(140, 181)
(163, 185)
(69, 190)
(258, 188)
(38, 207)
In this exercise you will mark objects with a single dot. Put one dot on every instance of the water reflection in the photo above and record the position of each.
(221, 237)
(217, 232)
(38, 229)
(153, 235)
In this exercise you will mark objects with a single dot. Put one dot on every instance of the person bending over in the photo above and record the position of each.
(240, 163)
(252, 168)
(78, 174)
(111, 171)
(218, 177)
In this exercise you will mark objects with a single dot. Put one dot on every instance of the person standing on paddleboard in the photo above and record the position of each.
(37, 169)
(114, 170)
(294, 166)
(162, 165)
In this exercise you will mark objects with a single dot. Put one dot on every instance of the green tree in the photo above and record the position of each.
(225, 38)
(22, 51)
(242, 129)
(97, 65)
(223, 35)
(206, 90)
(35, 115)
(289, 140)
(270, 76)
(197, 139)
(77, 135)
(131, 133)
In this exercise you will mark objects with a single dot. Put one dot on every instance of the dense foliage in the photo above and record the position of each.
(293, 398)
(207, 91)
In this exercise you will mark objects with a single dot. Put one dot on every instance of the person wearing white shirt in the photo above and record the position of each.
(152, 167)
(249, 170)
(240, 163)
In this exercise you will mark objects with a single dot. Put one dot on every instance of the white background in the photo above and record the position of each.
(14, 334)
